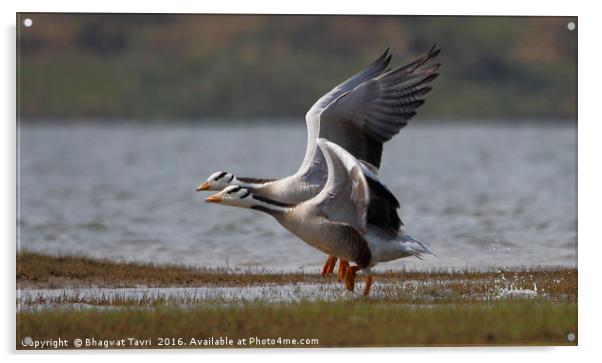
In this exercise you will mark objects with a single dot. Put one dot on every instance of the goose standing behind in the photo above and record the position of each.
(360, 115)
(335, 220)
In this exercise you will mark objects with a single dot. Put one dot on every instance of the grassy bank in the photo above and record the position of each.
(37, 270)
(333, 324)
(536, 306)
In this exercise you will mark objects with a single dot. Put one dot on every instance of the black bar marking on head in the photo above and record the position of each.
(221, 175)
(231, 178)
(234, 190)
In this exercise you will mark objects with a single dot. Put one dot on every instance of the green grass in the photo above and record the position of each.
(337, 324)
(407, 308)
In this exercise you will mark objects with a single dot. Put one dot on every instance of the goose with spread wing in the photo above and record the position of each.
(359, 115)
(335, 221)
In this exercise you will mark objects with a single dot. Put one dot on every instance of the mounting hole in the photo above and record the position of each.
(28, 22)
(571, 26)
(27, 342)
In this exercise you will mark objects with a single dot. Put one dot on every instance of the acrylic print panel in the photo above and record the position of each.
(467, 124)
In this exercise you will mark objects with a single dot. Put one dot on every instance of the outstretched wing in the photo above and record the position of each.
(369, 115)
(313, 115)
(364, 117)
(346, 196)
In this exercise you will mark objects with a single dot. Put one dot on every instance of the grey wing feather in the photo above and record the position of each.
(373, 70)
(313, 167)
(362, 119)
(346, 196)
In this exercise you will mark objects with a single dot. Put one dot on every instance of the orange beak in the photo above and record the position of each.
(202, 187)
(213, 199)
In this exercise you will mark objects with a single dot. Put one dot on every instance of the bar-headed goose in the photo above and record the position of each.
(335, 221)
(360, 115)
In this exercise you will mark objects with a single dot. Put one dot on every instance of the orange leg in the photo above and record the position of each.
(332, 265)
(343, 267)
(329, 265)
(368, 280)
(350, 277)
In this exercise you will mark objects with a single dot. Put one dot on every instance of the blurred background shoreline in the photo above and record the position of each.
(163, 67)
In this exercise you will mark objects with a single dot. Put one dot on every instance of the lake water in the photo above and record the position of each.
(480, 196)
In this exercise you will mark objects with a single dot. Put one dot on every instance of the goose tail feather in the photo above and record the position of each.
(414, 247)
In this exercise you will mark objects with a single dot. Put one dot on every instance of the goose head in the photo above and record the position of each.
(233, 195)
(218, 181)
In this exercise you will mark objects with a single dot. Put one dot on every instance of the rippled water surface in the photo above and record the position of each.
(480, 196)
